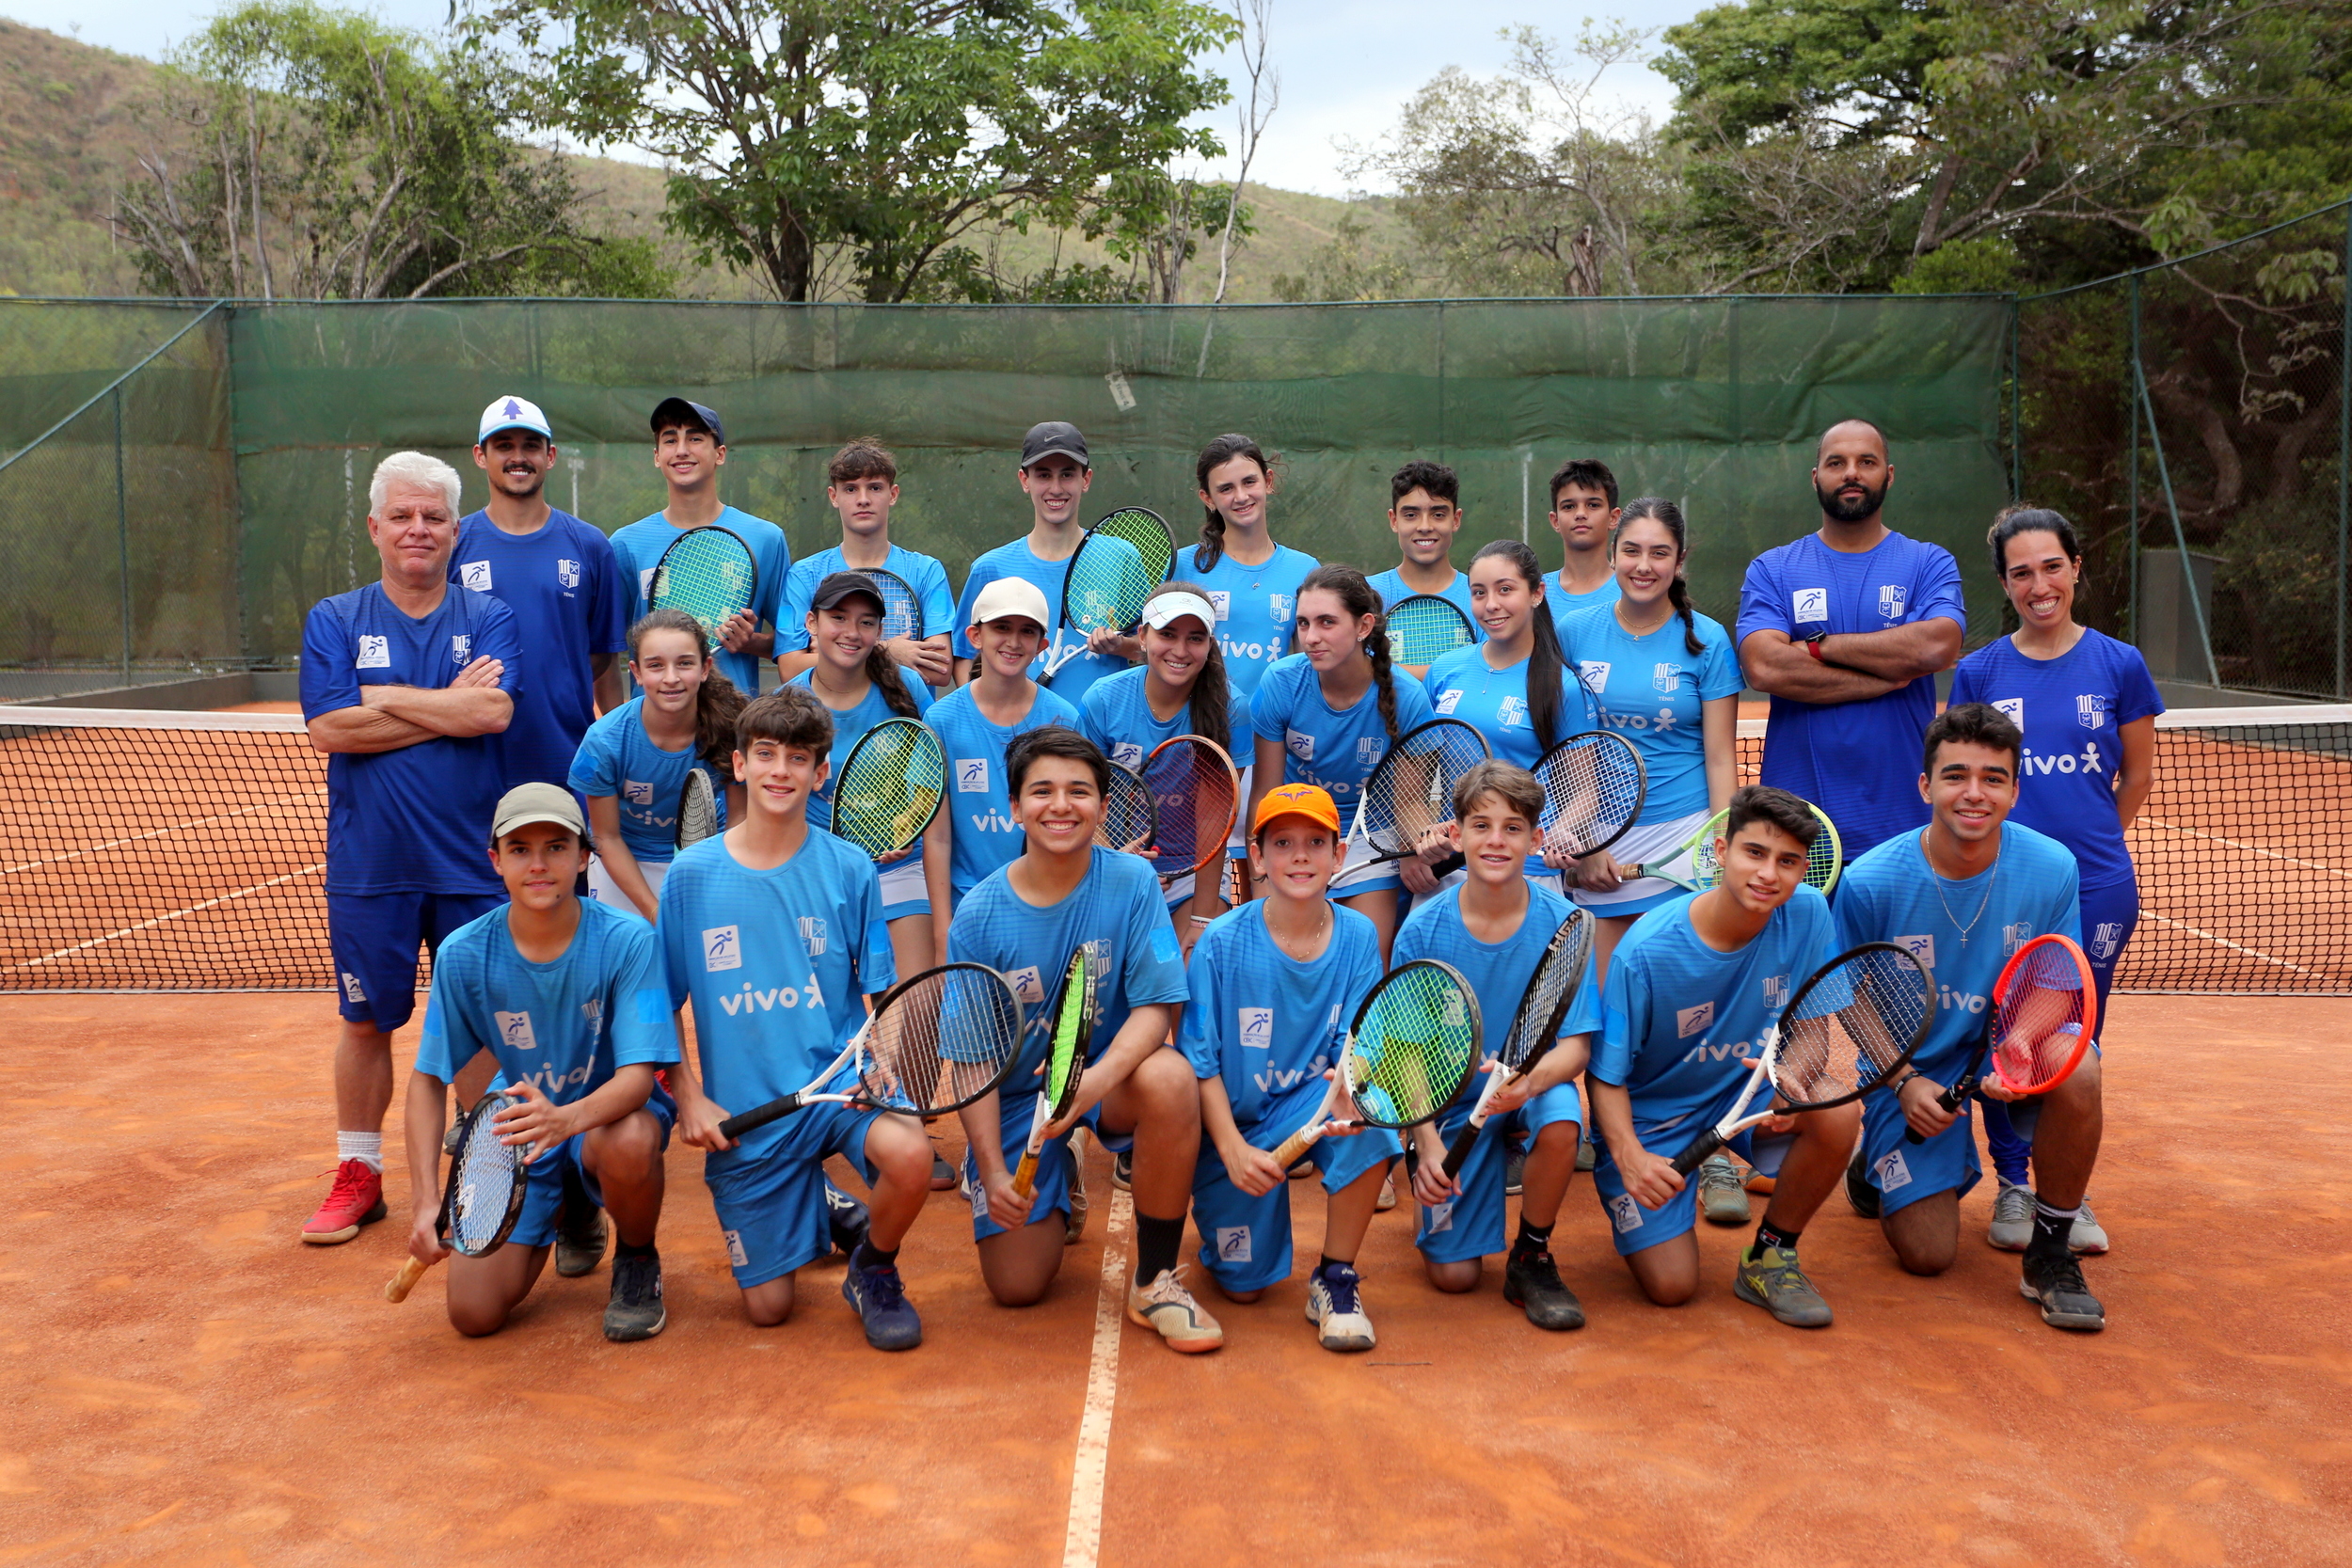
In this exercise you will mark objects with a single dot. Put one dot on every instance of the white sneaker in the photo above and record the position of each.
(1167, 1308)
(2089, 1235)
(2012, 1217)
(1336, 1307)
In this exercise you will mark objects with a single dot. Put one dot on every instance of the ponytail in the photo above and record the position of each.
(1356, 597)
(1677, 591)
(883, 671)
(1547, 661)
(1214, 456)
(717, 701)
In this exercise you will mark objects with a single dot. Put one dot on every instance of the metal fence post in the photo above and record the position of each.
(2344, 445)
(123, 536)
(2016, 406)
(2131, 396)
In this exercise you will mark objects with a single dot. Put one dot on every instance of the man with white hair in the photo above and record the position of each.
(404, 684)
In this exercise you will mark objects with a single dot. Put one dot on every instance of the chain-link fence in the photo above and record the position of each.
(2191, 419)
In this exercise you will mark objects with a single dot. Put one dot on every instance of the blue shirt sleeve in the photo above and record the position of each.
(1094, 715)
(775, 569)
(1965, 679)
(960, 642)
(670, 935)
(1762, 605)
(612, 595)
(800, 587)
(2135, 687)
(642, 1030)
(1719, 671)
(330, 679)
(877, 963)
(1204, 1009)
(1939, 587)
(499, 637)
(596, 766)
(938, 600)
(449, 1038)
(1269, 709)
(1154, 968)
(1623, 1018)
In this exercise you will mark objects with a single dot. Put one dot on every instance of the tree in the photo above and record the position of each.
(293, 151)
(859, 145)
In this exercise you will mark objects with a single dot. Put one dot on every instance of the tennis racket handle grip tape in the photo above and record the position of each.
(1024, 1179)
(1299, 1142)
(1949, 1099)
(759, 1117)
(405, 1280)
(1694, 1157)
(1457, 1153)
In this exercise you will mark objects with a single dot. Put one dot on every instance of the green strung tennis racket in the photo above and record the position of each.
(1408, 1054)
(891, 787)
(709, 573)
(1073, 1018)
(1694, 865)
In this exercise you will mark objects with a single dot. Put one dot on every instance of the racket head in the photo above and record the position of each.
(1148, 533)
(1412, 1046)
(697, 807)
(1824, 859)
(1423, 628)
(1106, 584)
(487, 1181)
(1128, 817)
(1855, 1023)
(1195, 794)
(891, 787)
(902, 610)
(941, 1040)
(1411, 790)
(1077, 1006)
(1558, 974)
(1594, 786)
(710, 574)
(2046, 1012)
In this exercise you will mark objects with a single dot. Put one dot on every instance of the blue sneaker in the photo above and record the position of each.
(1335, 1306)
(879, 1297)
(846, 1218)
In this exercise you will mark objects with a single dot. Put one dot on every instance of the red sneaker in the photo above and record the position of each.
(356, 1201)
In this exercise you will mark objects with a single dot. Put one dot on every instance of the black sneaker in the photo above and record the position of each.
(2057, 1284)
(879, 1298)
(1530, 1279)
(635, 1311)
(580, 1231)
(1514, 1170)
(1864, 1196)
(846, 1218)
(1124, 1169)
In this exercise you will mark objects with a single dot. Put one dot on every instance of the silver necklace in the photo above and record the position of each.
(1982, 905)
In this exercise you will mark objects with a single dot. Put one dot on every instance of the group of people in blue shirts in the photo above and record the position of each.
(470, 807)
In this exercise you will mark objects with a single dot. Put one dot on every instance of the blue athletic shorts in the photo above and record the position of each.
(375, 938)
(1049, 1193)
(1245, 1241)
(1634, 1228)
(544, 1198)
(1469, 1224)
(771, 1211)
(1905, 1172)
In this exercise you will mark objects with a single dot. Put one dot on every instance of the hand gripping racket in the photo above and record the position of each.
(487, 1180)
(697, 808)
(1195, 794)
(1534, 1028)
(934, 1044)
(2046, 1010)
(1107, 582)
(1412, 790)
(1694, 865)
(891, 787)
(1850, 1026)
(1076, 1009)
(902, 611)
(1425, 628)
(1128, 820)
(709, 573)
(1408, 1052)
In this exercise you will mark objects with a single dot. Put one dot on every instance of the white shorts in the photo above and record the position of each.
(1644, 843)
(604, 890)
(903, 890)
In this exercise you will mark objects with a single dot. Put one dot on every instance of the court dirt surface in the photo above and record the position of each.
(185, 1383)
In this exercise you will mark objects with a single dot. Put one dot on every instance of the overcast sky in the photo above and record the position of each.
(1346, 66)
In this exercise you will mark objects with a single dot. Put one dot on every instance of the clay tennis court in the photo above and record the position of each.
(189, 1384)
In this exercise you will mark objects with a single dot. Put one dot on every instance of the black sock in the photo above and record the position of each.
(2053, 1231)
(1533, 1238)
(1768, 1235)
(630, 1249)
(868, 1256)
(1157, 1241)
(1326, 1264)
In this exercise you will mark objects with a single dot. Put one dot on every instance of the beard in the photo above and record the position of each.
(1848, 508)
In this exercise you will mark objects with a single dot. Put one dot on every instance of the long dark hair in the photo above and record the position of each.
(1356, 597)
(1214, 456)
(1677, 591)
(1547, 663)
(1208, 703)
(717, 702)
(883, 670)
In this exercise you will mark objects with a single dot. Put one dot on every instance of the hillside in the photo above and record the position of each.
(69, 139)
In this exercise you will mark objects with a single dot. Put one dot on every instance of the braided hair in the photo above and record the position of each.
(1356, 595)
(1547, 661)
(717, 701)
(1214, 456)
(1677, 591)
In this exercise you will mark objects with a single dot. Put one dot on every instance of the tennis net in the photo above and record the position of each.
(187, 851)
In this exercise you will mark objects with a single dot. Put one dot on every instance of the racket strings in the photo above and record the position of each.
(1423, 630)
(1854, 1025)
(2041, 1019)
(1107, 583)
(1414, 1046)
(944, 1040)
(1412, 790)
(1127, 812)
(902, 614)
(1547, 989)
(489, 1178)
(708, 573)
(891, 787)
(1593, 790)
(1143, 530)
(1193, 794)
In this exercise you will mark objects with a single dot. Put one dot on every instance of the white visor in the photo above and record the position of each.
(1175, 607)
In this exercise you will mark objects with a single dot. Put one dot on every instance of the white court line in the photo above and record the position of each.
(192, 909)
(151, 832)
(2225, 941)
(1083, 1542)
(2250, 849)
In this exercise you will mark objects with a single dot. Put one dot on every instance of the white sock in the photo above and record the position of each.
(361, 1145)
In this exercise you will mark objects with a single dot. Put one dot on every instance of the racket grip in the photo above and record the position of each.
(1024, 1179)
(405, 1280)
(1299, 1142)
(1694, 1157)
(1458, 1152)
(759, 1117)
(1949, 1099)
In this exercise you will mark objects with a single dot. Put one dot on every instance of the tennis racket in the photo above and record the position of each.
(1534, 1028)
(1408, 1052)
(1128, 818)
(891, 787)
(1076, 1009)
(1144, 529)
(1194, 794)
(934, 1044)
(903, 612)
(1425, 628)
(709, 573)
(697, 808)
(487, 1180)
(1850, 1026)
(1694, 865)
(1594, 786)
(1412, 790)
(2045, 1009)
(1104, 587)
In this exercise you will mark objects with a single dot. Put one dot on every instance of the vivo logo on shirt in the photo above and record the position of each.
(992, 821)
(1594, 672)
(1728, 1050)
(376, 653)
(2064, 762)
(476, 575)
(1690, 1020)
(746, 1000)
(1960, 1001)
(1809, 604)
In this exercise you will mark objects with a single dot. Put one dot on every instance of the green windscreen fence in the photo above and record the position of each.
(246, 449)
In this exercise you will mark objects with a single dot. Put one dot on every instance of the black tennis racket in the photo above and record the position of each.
(709, 573)
(1425, 628)
(1412, 789)
(1076, 1007)
(1129, 821)
(891, 787)
(1534, 1028)
(697, 808)
(1852, 1025)
(902, 611)
(487, 1181)
(1408, 1052)
(1103, 589)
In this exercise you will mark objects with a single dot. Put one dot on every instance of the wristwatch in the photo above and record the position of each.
(1813, 646)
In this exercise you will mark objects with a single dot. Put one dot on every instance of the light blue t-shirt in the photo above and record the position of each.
(927, 577)
(618, 758)
(1497, 972)
(1563, 604)
(1462, 685)
(777, 964)
(1333, 749)
(1117, 716)
(1264, 1021)
(2073, 709)
(1390, 585)
(1679, 1018)
(983, 834)
(849, 729)
(1017, 559)
(1652, 691)
(1892, 894)
(639, 548)
(1859, 761)
(565, 1026)
(564, 586)
(1257, 606)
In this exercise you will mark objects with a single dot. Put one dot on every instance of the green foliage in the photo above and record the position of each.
(1349, 270)
(1985, 266)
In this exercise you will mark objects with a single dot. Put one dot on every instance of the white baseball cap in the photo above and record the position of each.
(1011, 596)
(513, 414)
(1175, 607)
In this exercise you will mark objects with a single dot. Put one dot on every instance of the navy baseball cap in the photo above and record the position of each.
(670, 411)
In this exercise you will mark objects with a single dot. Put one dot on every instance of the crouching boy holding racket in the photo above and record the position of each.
(567, 993)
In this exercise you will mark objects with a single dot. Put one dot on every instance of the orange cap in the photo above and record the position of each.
(1297, 799)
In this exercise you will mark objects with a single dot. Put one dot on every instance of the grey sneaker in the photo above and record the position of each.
(1772, 1280)
(1532, 1280)
(1514, 1170)
(2012, 1217)
(635, 1309)
(2057, 1285)
(1335, 1306)
(2089, 1236)
(1721, 1198)
(879, 1298)
(1586, 1154)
